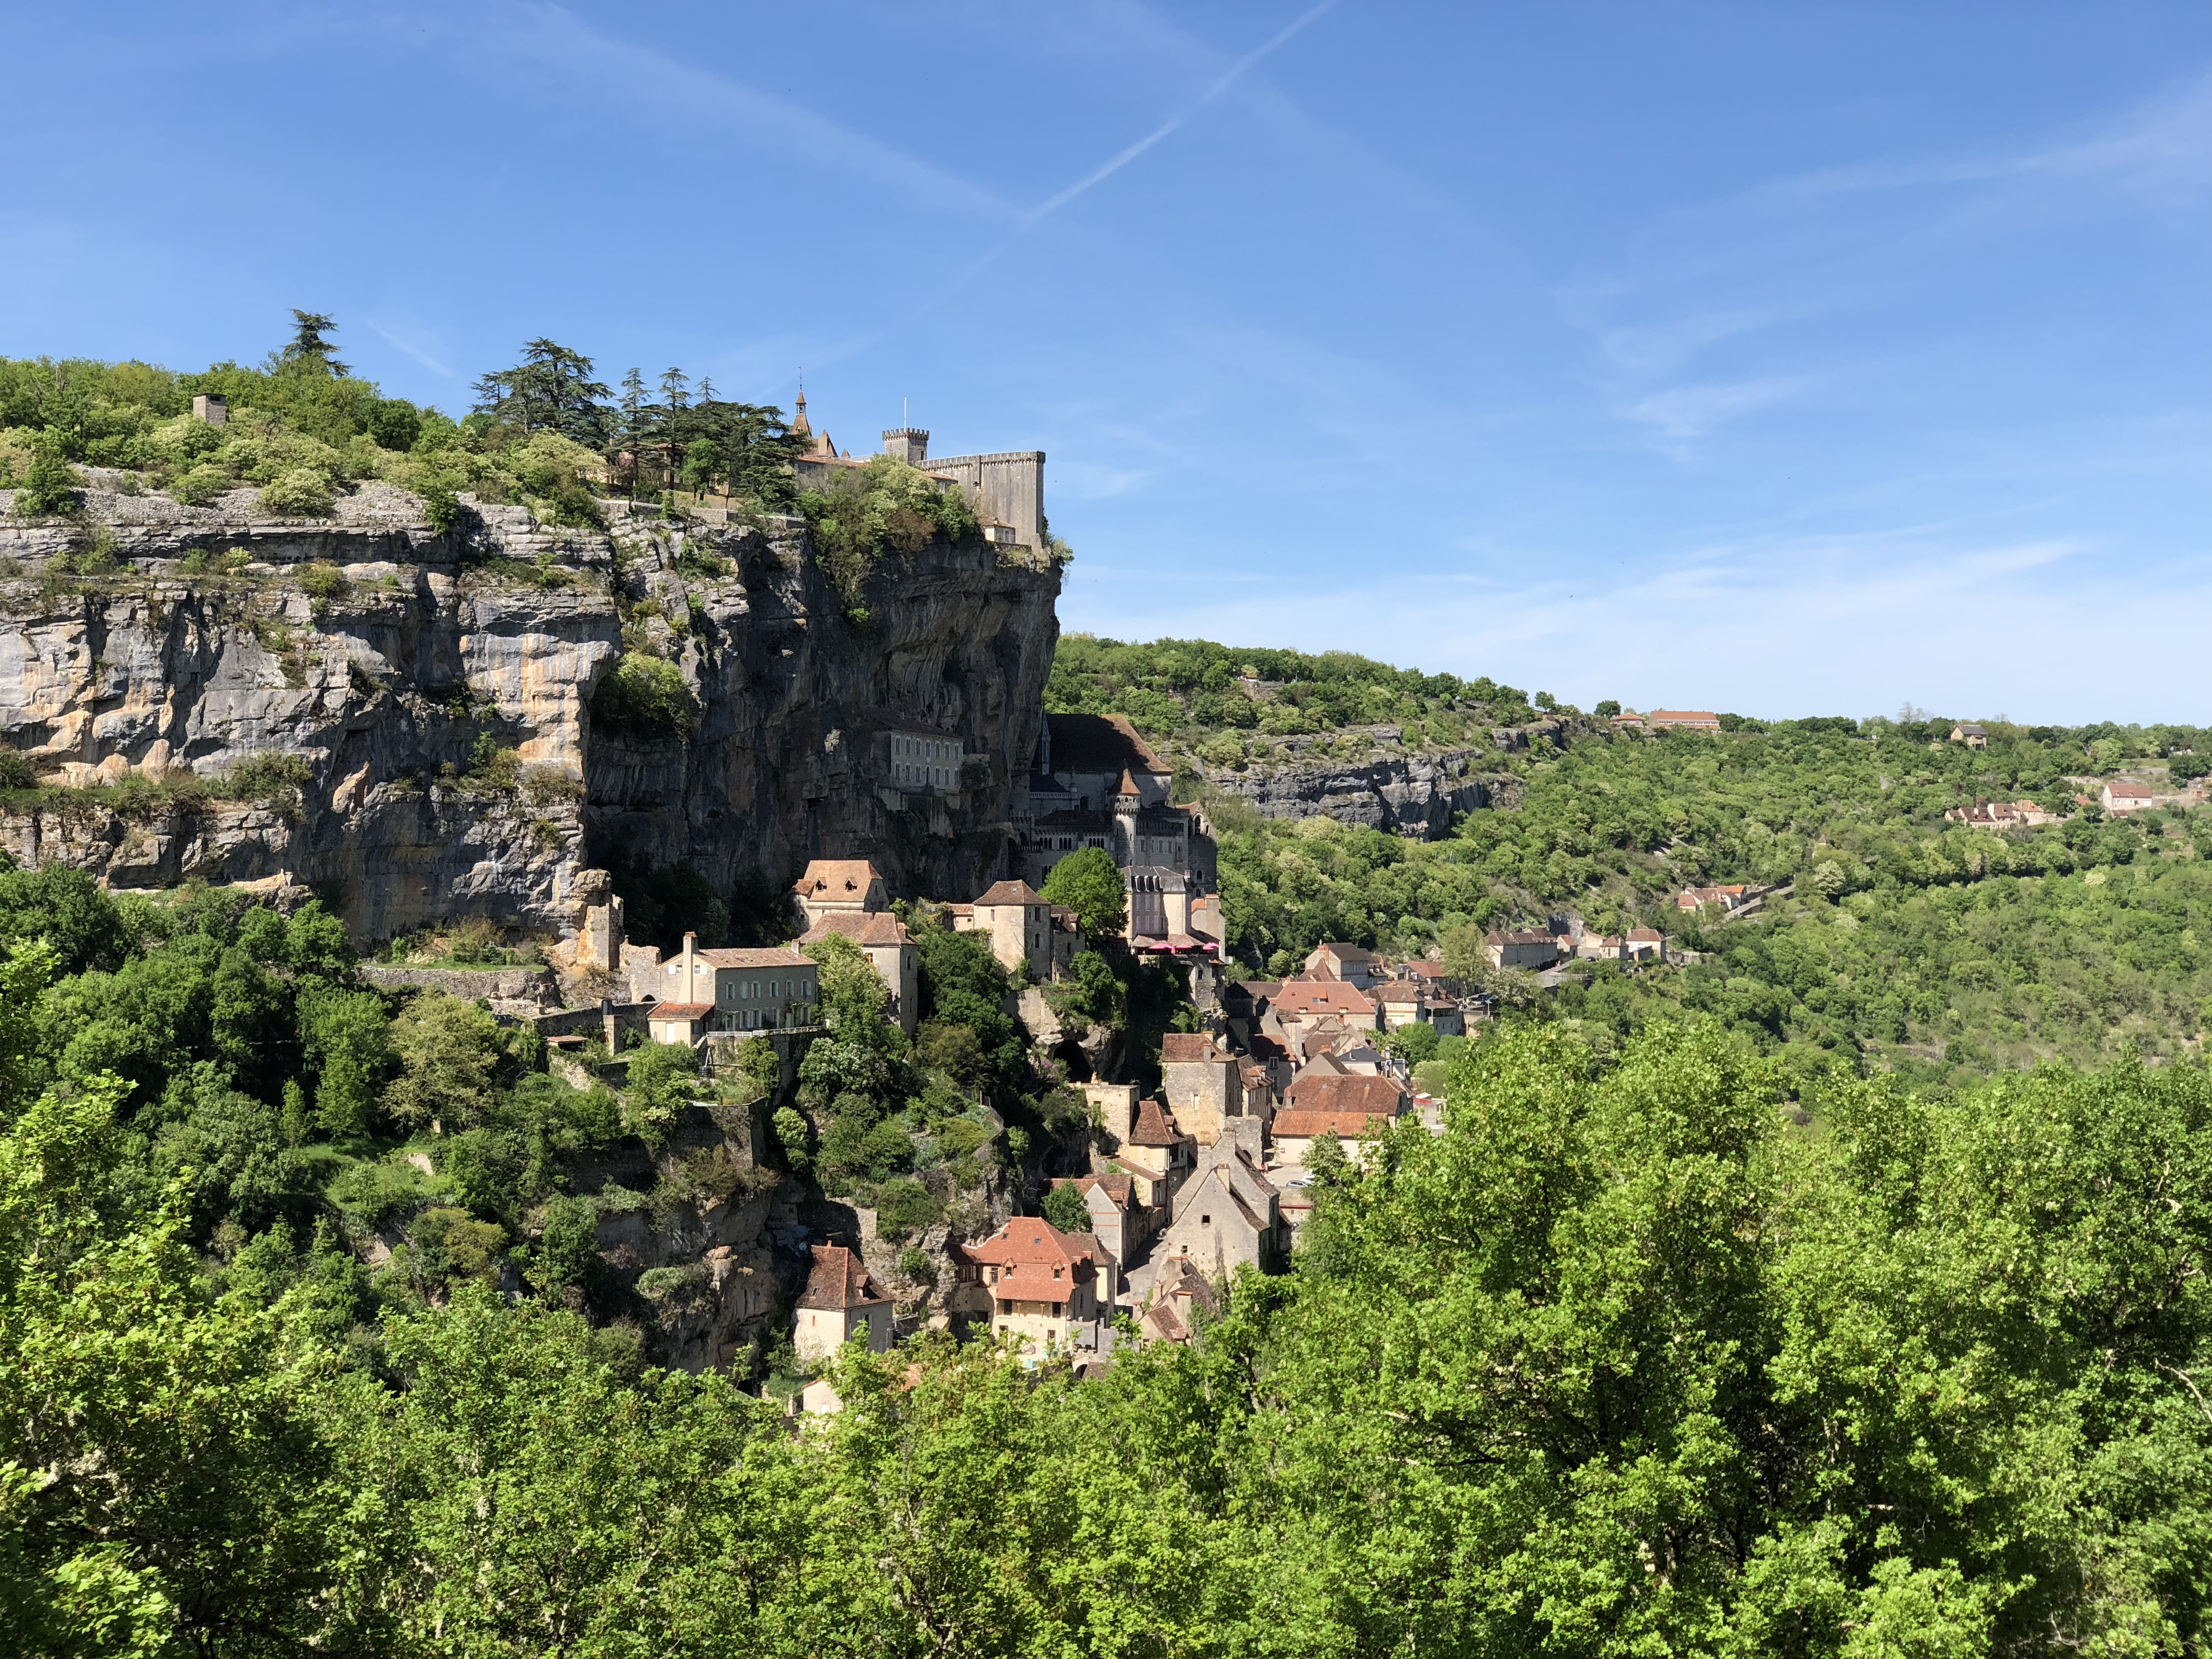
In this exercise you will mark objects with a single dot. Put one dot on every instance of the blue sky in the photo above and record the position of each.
(1783, 358)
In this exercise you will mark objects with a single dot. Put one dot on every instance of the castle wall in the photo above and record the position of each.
(1009, 488)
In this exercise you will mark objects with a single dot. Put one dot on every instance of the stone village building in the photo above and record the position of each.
(841, 1298)
(1043, 1284)
(756, 989)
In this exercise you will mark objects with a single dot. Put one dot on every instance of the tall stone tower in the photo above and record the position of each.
(1126, 801)
(910, 444)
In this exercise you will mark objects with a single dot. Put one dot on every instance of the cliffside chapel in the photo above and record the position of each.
(1096, 783)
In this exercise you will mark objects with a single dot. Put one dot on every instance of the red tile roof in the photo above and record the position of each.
(680, 1010)
(1314, 997)
(1010, 892)
(839, 1280)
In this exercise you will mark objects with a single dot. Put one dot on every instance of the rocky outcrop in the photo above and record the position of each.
(201, 706)
(1416, 795)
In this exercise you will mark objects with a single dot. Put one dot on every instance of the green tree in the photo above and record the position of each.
(450, 1055)
(663, 1077)
(1089, 883)
(1064, 1207)
(50, 487)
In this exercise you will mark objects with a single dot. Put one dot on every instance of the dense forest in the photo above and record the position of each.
(1620, 1362)
(1900, 940)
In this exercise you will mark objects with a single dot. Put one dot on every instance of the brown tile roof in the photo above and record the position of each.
(1645, 936)
(839, 1280)
(1346, 952)
(1402, 990)
(1027, 1250)
(1117, 1186)
(1153, 1127)
(861, 926)
(1681, 717)
(1189, 1046)
(1326, 1091)
(775, 956)
(1422, 967)
(680, 1010)
(1526, 937)
(1099, 743)
(1345, 1126)
(1010, 892)
(837, 879)
(1314, 997)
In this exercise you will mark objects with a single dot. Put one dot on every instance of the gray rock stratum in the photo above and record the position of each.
(1412, 794)
(205, 707)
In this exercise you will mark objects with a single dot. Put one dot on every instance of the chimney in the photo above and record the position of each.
(691, 966)
(210, 406)
(910, 444)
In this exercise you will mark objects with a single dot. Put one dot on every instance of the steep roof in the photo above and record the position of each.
(1100, 742)
(837, 879)
(1010, 892)
(1127, 786)
(1345, 952)
(878, 928)
(1153, 1127)
(838, 1280)
(1328, 1091)
(1645, 936)
(1027, 1251)
(1116, 1185)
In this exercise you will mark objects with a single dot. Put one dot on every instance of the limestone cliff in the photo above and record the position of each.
(302, 705)
(1416, 794)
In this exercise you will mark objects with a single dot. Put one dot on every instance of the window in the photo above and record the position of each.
(1206, 1221)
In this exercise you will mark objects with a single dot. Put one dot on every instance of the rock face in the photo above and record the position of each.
(1414, 795)
(206, 707)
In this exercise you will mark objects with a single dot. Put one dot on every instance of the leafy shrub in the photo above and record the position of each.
(49, 488)
(915, 1266)
(646, 698)
(16, 771)
(302, 493)
(395, 424)
(201, 485)
(885, 507)
(657, 1284)
(322, 579)
(370, 1195)
(441, 505)
(268, 779)
(905, 1207)
(1064, 1208)
(544, 785)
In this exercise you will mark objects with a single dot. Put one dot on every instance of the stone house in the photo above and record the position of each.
(1644, 944)
(1156, 1153)
(841, 1298)
(2121, 796)
(1043, 1283)
(835, 885)
(1020, 923)
(1119, 1221)
(1179, 1291)
(920, 760)
(1349, 962)
(1228, 1214)
(1303, 1004)
(770, 989)
(1696, 898)
(1970, 734)
(1683, 719)
(1347, 1106)
(679, 1022)
(1521, 949)
(1203, 1083)
(890, 950)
